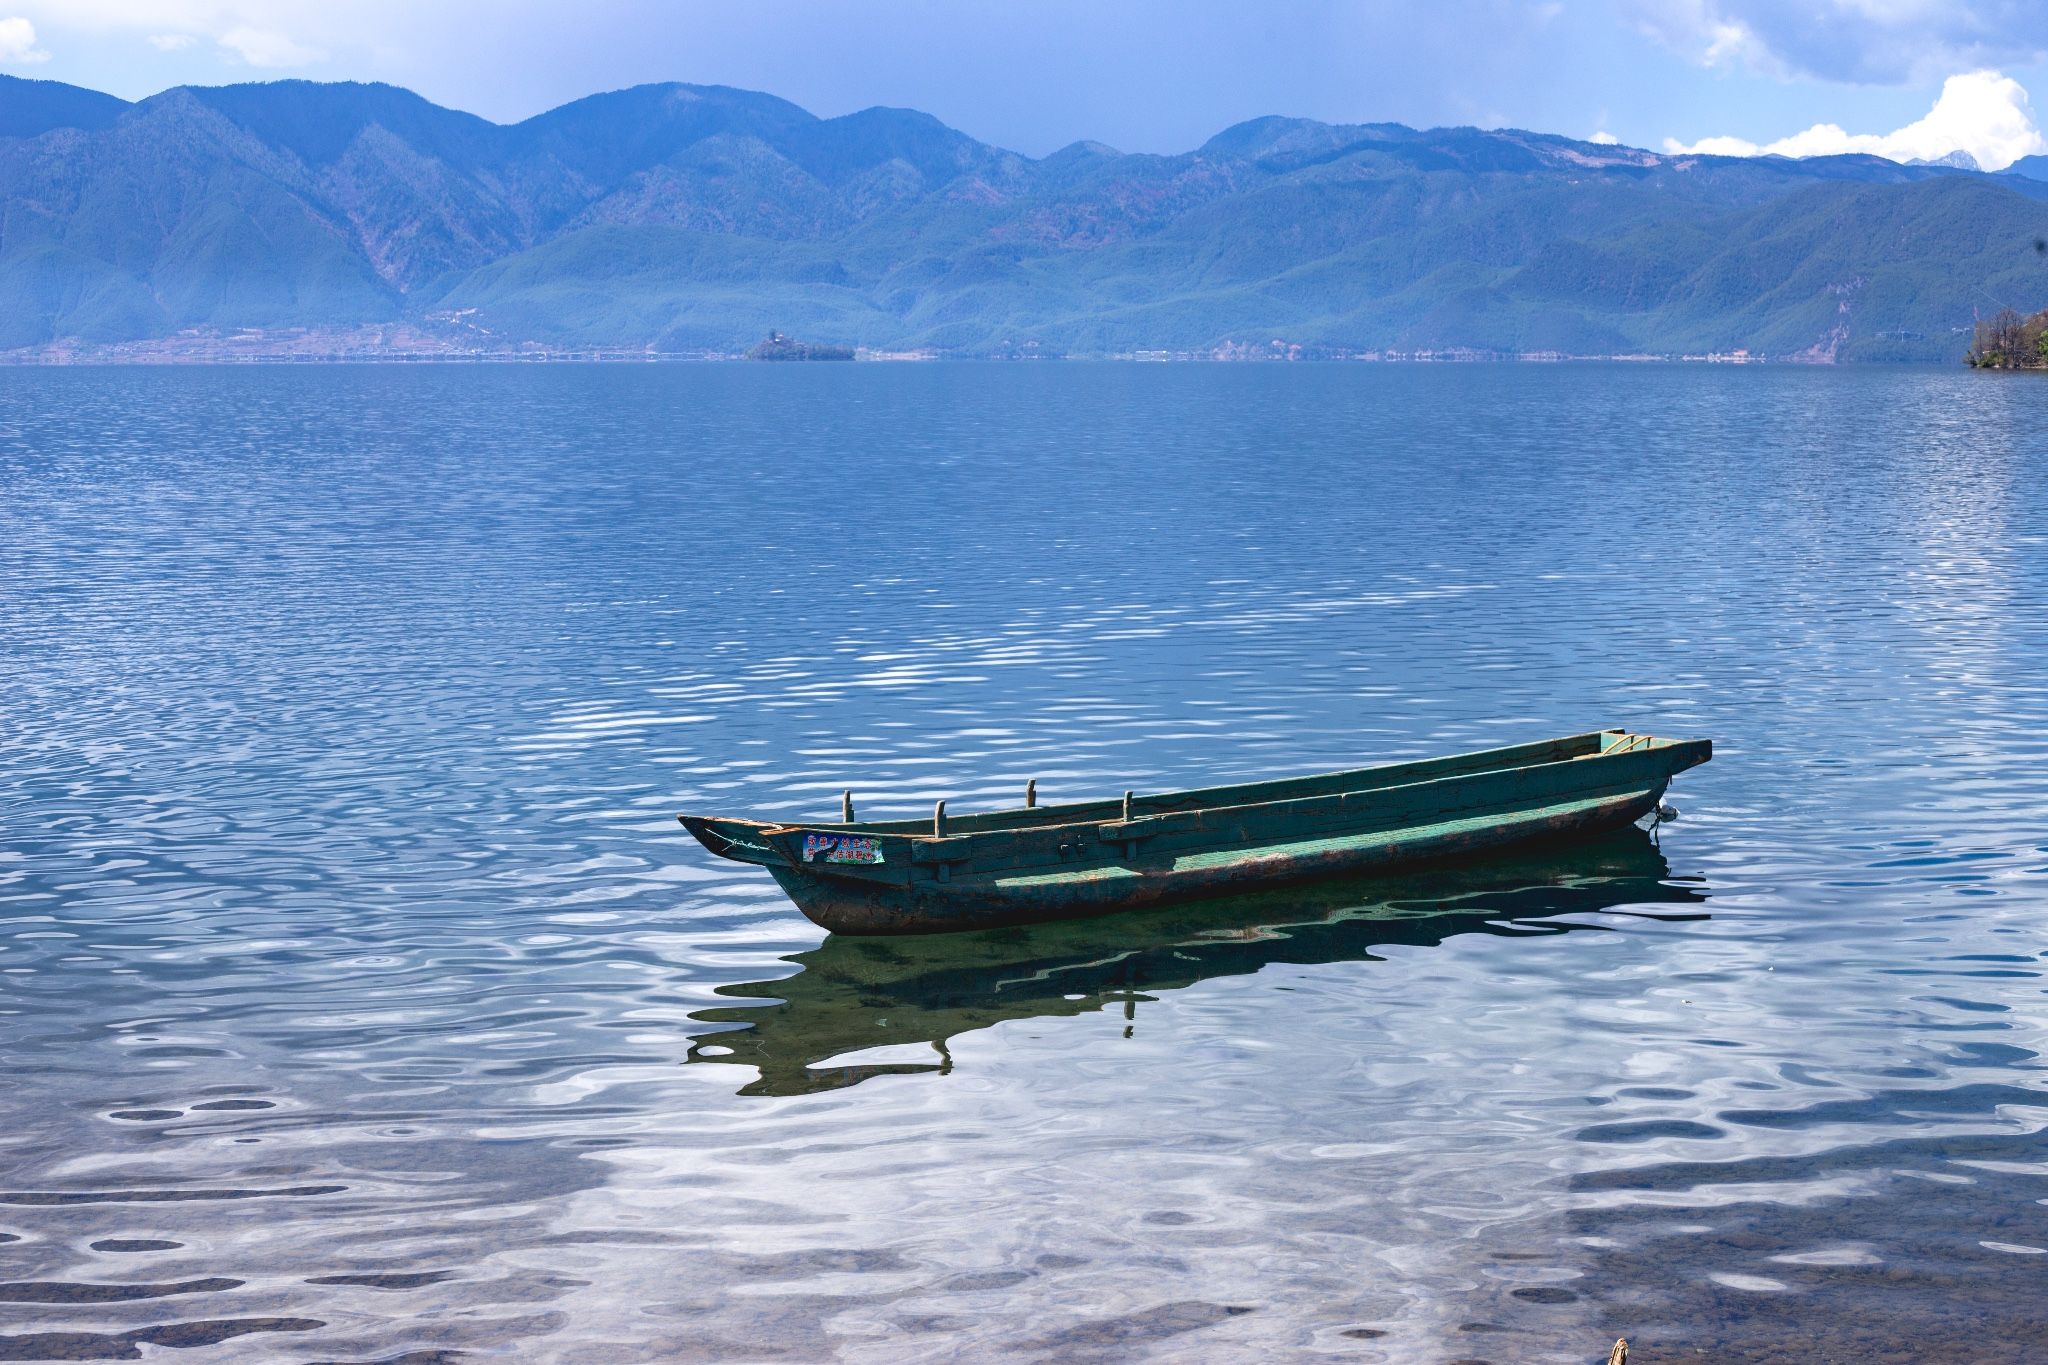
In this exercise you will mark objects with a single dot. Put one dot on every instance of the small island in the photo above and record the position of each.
(776, 346)
(2008, 341)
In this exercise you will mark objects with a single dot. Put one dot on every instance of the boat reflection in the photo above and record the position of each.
(853, 995)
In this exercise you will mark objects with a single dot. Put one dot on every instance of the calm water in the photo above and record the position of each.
(361, 1001)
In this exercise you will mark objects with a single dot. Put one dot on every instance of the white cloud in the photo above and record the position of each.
(1724, 44)
(1865, 41)
(258, 33)
(261, 47)
(1981, 112)
(1605, 139)
(18, 43)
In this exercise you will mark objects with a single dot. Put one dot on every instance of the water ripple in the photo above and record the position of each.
(362, 1001)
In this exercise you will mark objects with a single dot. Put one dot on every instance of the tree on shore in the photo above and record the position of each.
(2007, 341)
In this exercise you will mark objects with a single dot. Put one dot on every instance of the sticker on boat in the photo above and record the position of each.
(842, 848)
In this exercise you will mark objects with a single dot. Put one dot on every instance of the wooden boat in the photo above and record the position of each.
(1033, 863)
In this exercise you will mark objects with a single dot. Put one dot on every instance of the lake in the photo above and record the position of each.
(360, 999)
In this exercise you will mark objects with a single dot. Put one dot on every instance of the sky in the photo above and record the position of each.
(1903, 78)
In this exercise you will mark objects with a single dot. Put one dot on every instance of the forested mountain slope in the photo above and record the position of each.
(679, 217)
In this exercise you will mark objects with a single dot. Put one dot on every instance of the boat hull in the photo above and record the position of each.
(847, 906)
(1033, 864)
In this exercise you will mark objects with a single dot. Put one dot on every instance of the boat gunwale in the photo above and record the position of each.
(923, 840)
(1019, 818)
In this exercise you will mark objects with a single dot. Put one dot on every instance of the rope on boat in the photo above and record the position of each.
(731, 842)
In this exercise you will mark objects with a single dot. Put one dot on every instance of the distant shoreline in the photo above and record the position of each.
(664, 358)
(309, 350)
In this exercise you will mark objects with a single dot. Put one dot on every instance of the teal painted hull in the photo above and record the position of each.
(1040, 863)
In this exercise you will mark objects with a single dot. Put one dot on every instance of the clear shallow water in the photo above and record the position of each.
(360, 1000)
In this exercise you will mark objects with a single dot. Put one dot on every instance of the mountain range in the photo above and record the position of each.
(682, 218)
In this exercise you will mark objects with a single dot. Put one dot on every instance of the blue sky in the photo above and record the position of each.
(1142, 75)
